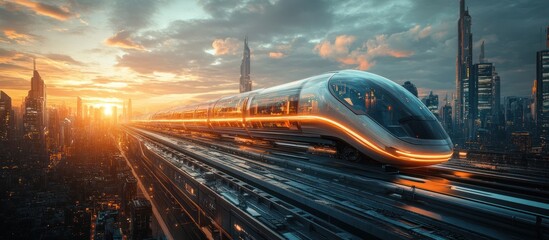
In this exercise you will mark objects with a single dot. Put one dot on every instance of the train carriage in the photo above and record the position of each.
(359, 113)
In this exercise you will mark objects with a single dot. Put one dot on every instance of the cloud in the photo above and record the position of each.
(14, 36)
(60, 13)
(379, 46)
(64, 59)
(362, 57)
(226, 46)
(340, 46)
(15, 83)
(276, 55)
(123, 39)
(133, 15)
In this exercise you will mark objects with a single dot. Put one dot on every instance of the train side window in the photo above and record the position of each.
(275, 104)
(308, 104)
(228, 108)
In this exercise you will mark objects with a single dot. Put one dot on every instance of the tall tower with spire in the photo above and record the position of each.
(481, 57)
(34, 118)
(465, 89)
(245, 81)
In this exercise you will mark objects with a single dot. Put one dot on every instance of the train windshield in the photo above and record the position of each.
(388, 104)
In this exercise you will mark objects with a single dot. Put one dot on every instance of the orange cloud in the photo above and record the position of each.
(60, 13)
(18, 37)
(225, 46)
(380, 47)
(341, 46)
(276, 55)
(122, 40)
(363, 57)
(361, 62)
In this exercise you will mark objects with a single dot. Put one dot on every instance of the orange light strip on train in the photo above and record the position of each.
(402, 155)
(424, 156)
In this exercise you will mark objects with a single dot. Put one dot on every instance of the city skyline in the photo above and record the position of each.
(161, 60)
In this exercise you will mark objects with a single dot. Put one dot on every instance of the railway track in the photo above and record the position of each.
(283, 219)
(524, 220)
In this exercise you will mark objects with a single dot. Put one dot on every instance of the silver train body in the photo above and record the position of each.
(374, 115)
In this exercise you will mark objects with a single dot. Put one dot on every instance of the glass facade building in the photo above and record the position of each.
(542, 97)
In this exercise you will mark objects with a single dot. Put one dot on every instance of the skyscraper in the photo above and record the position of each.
(124, 114)
(7, 121)
(129, 110)
(496, 94)
(481, 57)
(114, 114)
(463, 117)
(431, 101)
(547, 37)
(446, 116)
(34, 119)
(245, 81)
(483, 77)
(79, 116)
(410, 87)
(140, 215)
(542, 94)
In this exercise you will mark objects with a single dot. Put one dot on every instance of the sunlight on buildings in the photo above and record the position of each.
(107, 111)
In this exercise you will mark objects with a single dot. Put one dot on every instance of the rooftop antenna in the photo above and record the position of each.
(540, 38)
(34, 63)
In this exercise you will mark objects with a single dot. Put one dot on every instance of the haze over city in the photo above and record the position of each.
(165, 53)
(274, 119)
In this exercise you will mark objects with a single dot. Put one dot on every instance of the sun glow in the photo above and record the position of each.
(107, 111)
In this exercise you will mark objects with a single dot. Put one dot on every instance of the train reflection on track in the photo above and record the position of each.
(442, 201)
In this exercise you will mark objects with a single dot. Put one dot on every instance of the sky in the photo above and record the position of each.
(164, 53)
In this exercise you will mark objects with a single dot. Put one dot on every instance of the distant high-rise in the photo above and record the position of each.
(114, 115)
(547, 37)
(140, 215)
(481, 57)
(245, 81)
(129, 110)
(464, 118)
(446, 116)
(496, 93)
(34, 119)
(483, 77)
(516, 111)
(85, 112)
(431, 101)
(542, 96)
(79, 116)
(410, 87)
(124, 114)
(7, 121)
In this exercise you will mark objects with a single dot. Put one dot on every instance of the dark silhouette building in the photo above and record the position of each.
(464, 106)
(129, 191)
(446, 117)
(541, 88)
(7, 118)
(542, 97)
(410, 87)
(245, 81)
(431, 101)
(140, 215)
(483, 77)
(521, 141)
(34, 119)
(487, 93)
(79, 116)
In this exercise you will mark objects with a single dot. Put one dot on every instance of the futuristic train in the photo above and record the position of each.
(358, 114)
